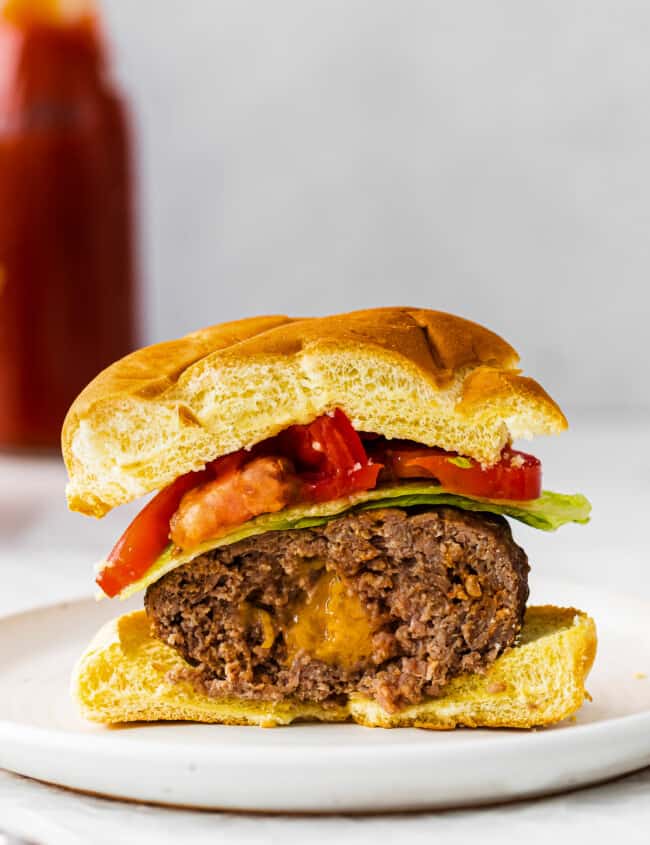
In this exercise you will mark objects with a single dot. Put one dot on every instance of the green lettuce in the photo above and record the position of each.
(549, 512)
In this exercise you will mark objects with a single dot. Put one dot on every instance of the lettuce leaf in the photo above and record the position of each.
(549, 512)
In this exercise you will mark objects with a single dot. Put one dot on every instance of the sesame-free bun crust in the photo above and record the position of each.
(124, 677)
(402, 372)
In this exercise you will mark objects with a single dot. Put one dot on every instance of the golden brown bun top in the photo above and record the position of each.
(403, 372)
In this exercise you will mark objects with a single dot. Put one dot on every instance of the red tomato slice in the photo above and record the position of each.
(146, 537)
(336, 486)
(330, 457)
(516, 477)
(329, 445)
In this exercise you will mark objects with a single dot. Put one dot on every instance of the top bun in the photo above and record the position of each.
(402, 372)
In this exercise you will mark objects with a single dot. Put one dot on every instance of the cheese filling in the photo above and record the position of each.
(330, 624)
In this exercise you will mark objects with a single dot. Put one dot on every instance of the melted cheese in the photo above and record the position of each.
(330, 625)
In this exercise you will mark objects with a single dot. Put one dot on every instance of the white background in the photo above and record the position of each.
(491, 159)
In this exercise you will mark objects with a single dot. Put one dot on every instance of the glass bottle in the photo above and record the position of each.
(67, 287)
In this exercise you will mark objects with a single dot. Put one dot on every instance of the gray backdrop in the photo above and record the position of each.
(486, 158)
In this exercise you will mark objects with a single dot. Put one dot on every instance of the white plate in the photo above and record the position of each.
(321, 768)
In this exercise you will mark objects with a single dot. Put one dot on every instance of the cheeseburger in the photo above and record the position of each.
(328, 536)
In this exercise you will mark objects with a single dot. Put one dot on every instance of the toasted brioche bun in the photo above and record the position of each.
(123, 677)
(407, 373)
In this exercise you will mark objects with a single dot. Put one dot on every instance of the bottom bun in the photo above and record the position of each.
(124, 677)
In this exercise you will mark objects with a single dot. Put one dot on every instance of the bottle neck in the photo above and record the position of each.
(49, 65)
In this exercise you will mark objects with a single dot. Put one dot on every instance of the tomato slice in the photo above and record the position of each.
(516, 477)
(146, 537)
(337, 486)
(330, 458)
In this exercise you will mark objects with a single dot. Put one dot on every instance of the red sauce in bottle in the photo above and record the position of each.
(66, 257)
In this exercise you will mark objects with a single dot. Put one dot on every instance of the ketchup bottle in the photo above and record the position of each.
(67, 296)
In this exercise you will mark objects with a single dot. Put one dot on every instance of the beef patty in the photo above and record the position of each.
(388, 603)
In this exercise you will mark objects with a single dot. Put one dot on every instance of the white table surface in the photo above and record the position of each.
(46, 555)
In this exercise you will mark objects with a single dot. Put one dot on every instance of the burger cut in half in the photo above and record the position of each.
(328, 536)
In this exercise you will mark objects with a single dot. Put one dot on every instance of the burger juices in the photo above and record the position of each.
(331, 558)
